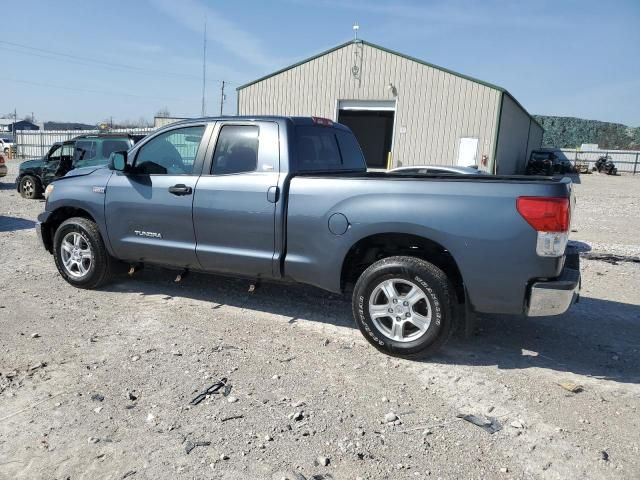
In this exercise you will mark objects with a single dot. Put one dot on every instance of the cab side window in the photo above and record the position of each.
(67, 152)
(236, 150)
(171, 153)
(54, 156)
(85, 152)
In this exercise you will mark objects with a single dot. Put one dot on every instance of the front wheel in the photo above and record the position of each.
(403, 306)
(80, 254)
(29, 187)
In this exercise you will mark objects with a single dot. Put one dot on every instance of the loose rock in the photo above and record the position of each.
(390, 417)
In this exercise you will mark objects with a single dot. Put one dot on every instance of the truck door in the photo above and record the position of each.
(236, 198)
(51, 165)
(149, 209)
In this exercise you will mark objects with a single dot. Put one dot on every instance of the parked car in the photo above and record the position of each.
(289, 199)
(6, 144)
(83, 151)
(542, 162)
(438, 170)
(3, 165)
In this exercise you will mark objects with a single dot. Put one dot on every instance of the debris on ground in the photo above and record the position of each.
(571, 387)
(189, 445)
(517, 424)
(390, 417)
(488, 424)
(211, 390)
(232, 417)
(37, 366)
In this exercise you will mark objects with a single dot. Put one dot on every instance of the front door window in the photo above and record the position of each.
(171, 153)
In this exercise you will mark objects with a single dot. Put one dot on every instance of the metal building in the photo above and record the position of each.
(404, 111)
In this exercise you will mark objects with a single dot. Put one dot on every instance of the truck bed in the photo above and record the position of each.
(472, 217)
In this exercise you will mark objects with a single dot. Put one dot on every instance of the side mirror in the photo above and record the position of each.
(118, 161)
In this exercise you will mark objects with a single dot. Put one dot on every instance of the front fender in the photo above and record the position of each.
(78, 196)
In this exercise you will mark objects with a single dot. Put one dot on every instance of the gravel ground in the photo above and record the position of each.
(97, 384)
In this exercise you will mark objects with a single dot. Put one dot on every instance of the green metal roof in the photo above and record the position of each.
(392, 52)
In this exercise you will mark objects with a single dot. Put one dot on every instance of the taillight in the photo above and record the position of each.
(545, 214)
(1, 158)
(325, 122)
(550, 217)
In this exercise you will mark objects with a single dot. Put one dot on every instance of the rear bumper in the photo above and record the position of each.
(554, 297)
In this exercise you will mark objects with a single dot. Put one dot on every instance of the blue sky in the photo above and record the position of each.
(89, 60)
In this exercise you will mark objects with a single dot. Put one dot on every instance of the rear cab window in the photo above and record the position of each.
(326, 149)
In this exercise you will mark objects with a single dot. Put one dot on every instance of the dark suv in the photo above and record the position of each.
(82, 151)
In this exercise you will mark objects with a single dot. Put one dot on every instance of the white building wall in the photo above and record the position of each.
(434, 108)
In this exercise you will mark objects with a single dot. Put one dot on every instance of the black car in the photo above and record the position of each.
(82, 151)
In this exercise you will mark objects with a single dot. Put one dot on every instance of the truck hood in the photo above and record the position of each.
(81, 172)
(28, 164)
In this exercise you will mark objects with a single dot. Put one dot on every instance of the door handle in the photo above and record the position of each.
(180, 189)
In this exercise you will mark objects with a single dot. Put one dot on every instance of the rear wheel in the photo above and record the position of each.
(80, 254)
(402, 306)
(29, 187)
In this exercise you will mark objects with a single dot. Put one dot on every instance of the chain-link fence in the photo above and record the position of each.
(36, 143)
(627, 161)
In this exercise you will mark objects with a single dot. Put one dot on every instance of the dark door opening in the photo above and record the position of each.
(374, 131)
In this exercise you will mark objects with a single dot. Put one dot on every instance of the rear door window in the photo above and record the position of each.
(327, 149)
(236, 150)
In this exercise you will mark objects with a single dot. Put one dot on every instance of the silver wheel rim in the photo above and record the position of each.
(76, 254)
(400, 310)
(28, 187)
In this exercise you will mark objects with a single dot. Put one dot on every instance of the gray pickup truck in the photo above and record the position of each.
(290, 199)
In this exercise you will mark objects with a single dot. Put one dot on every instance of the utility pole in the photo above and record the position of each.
(15, 120)
(222, 98)
(204, 66)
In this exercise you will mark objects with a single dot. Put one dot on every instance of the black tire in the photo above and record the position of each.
(30, 187)
(435, 287)
(102, 265)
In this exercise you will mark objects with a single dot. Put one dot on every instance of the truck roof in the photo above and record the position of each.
(311, 120)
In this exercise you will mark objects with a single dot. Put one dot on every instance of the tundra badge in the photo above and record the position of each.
(142, 233)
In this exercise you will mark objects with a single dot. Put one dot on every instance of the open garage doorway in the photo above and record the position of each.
(372, 124)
